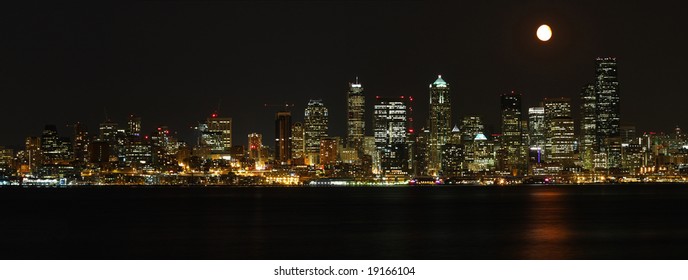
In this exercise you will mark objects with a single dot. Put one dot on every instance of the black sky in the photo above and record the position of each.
(173, 63)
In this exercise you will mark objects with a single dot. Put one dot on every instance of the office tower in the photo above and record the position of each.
(6, 161)
(315, 127)
(283, 137)
(560, 130)
(99, 153)
(134, 126)
(107, 131)
(479, 154)
(255, 143)
(420, 153)
(139, 152)
(80, 143)
(298, 143)
(390, 128)
(470, 127)
(329, 147)
(370, 155)
(608, 109)
(453, 154)
(355, 116)
(628, 133)
(164, 147)
(54, 148)
(537, 130)
(222, 128)
(511, 133)
(588, 131)
(439, 122)
(34, 155)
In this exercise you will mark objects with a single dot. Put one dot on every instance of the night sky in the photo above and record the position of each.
(174, 63)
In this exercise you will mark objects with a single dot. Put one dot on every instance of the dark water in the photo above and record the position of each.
(526, 222)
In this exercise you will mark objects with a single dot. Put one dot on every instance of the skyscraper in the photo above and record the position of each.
(329, 147)
(298, 144)
(108, 132)
(223, 128)
(511, 132)
(283, 137)
(608, 109)
(439, 122)
(355, 116)
(80, 143)
(134, 126)
(470, 127)
(255, 143)
(315, 127)
(588, 127)
(54, 148)
(537, 129)
(390, 127)
(560, 130)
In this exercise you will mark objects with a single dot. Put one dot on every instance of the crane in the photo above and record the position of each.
(285, 105)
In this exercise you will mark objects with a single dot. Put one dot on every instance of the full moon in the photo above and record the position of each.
(544, 33)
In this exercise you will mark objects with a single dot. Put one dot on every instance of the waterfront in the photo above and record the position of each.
(460, 222)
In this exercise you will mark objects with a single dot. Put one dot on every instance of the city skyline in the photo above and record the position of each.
(172, 64)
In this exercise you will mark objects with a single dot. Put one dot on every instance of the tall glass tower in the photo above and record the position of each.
(511, 132)
(355, 117)
(439, 123)
(608, 109)
(283, 137)
(390, 126)
(315, 128)
(588, 127)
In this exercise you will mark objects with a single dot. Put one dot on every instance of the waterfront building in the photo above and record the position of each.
(355, 116)
(283, 137)
(390, 128)
(439, 122)
(588, 126)
(511, 138)
(560, 131)
(316, 120)
(608, 107)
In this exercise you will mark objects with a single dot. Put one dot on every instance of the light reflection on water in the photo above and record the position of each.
(548, 234)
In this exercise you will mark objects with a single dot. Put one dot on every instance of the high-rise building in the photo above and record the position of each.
(34, 155)
(315, 127)
(511, 133)
(470, 127)
(222, 127)
(80, 143)
(453, 154)
(255, 143)
(439, 122)
(329, 148)
(6, 161)
(628, 133)
(537, 129)
(54, 148)
(298, 144)
(608, 109)
(107, 131)
(390, 128)
(355, 116)
(370, 152)
(588, 131)
(420, 152)
(283, 137)
(560, 130)
(134, 126)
